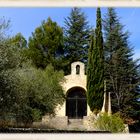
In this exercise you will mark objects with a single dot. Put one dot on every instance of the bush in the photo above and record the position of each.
(25, 91)
(112, 123)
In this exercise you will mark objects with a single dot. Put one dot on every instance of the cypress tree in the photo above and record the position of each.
(95, 70)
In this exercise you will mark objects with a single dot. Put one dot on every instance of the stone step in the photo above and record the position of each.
(75, 120)
(74, 124)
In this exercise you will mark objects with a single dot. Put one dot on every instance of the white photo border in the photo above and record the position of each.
(65, 136)
(69, 3)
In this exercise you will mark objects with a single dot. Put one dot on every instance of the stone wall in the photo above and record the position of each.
(88, 122)
(55, 122)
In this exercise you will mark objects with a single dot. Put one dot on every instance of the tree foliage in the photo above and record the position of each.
(77, 33)
(4, 27)
(26, 93)
(10, 59)
(38, 92)
(121, 73)
(18, 40)
(95, 68)
(46, 44)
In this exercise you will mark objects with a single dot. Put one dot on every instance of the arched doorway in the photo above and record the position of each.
(76, 103)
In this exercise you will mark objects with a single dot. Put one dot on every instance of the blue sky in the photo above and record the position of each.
(25, 20)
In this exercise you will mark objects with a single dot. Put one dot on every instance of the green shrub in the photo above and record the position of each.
(112, 123)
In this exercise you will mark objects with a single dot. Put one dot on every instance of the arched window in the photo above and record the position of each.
(77, 69)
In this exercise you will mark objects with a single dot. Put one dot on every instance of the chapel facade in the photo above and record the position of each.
(75, 107)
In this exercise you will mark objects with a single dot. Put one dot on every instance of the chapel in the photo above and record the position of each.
(75, 111)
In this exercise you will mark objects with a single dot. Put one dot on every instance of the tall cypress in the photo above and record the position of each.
(95, 70)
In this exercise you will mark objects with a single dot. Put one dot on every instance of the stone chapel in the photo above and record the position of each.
(75, 109)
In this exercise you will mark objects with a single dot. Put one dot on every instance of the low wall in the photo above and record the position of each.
(55, 122)
(88, 122)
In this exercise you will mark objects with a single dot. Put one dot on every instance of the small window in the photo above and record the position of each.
(77, 69)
